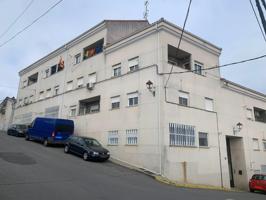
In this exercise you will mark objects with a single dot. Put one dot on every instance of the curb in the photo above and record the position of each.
(167, 181)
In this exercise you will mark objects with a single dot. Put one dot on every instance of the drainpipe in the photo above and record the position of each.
(219, 147)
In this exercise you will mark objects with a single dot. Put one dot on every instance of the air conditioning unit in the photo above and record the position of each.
(90, 86)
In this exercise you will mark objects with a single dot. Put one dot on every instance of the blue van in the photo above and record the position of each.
(50, 130)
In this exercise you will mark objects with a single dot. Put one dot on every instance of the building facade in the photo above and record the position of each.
(114, 82)
(7, 107)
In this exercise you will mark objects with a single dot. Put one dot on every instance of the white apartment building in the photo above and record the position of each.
(112, 81)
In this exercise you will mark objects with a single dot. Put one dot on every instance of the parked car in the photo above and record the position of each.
(257, 182)
(50, 130)
(88, 148)
(17, 130)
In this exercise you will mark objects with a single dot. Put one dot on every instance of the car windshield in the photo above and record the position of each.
(92, 142)
(21, 126)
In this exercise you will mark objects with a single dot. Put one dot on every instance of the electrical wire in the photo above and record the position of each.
(33, 22)
(221, 66)
(180, 39)
(252, 6)
(17, 18)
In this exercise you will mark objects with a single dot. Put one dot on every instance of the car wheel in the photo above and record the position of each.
(66, 149)
(46, 143)
(85, 156)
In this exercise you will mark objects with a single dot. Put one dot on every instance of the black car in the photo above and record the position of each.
(88, 148)
(17, 130)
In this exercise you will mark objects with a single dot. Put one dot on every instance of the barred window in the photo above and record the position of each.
(113, 137)
(132, 136)
(181, 135)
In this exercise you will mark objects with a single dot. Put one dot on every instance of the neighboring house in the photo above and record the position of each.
(111, 80)
(7, 107)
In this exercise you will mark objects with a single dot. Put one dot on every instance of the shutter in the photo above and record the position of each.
(208, 104)
(92, 78)
(133, 62)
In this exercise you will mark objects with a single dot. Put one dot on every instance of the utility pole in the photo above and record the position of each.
(146, 12)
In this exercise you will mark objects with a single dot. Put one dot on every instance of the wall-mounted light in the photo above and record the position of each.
(237, 128)
(150, 87)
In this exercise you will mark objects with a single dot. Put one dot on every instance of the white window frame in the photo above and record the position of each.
(132, 136)
(133, 64)
(249, 112)
(255, 144)
(69, 86)
(182, 135)
(72, 111)
(31, 98)
(56, 90)
(183, 95)
(41, 95)
(198, 67)
(209, 104)
(117, 67)
(80, 82)
(135, 99)
(48, 93)
(113, 138)
(77, 58)
(115, 100)
(92, 78)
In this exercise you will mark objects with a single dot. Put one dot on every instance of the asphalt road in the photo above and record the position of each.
(30, 171)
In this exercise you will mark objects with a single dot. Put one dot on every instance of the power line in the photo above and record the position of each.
(180, 39)
(221, 66)
(33, 22)
(263, 21)
(18, 17)
(252, 6)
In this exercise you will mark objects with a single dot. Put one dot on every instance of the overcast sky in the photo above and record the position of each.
(228, 24)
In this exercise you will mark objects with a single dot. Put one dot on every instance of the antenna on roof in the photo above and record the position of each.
(146, 12)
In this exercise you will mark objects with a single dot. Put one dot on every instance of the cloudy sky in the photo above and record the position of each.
(228, 24)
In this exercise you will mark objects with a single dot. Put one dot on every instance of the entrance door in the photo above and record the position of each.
(230, 165)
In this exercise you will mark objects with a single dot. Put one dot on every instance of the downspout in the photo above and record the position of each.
(159, 103)
(219, 148)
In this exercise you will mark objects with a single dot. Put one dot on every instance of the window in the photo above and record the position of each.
(208, 104)
(203, 139)
(48, 93)
(133, 99)
(198, 68)
(93, 49)
(264, 145)
(92, 78)
(56, 90)
(80, 81)
(183, 98)
(25, 83)
(69, 85)
(113, 137)
(179, 57)
(19, 102)
(115, 102)
(256, 144)
(41, 95)
(249, 113)
(90, 105)
(73, 110)
(26, 101)
(260, 115)
(132, 136)
(181, 135)
(117, 70)
(53, 69)
(31, 99)
(77, 58)
(33, 79)
(46, 73)
(133, 64)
